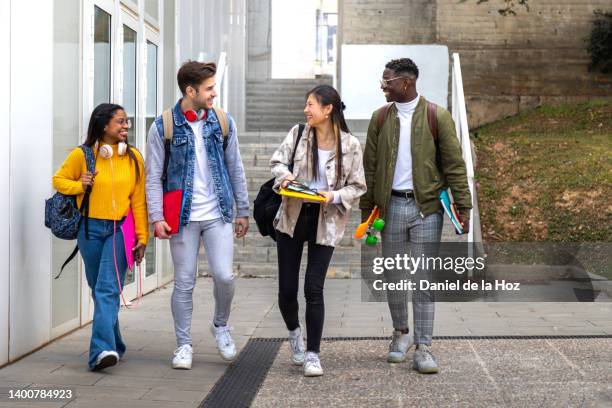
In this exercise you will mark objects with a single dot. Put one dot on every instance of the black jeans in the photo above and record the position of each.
(289, 258)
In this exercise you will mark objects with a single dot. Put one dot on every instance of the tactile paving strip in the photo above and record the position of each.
(243, 379)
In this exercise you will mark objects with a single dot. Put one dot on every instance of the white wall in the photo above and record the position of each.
(294, 27)
(30, 169)
(5, 80)
(363, 66)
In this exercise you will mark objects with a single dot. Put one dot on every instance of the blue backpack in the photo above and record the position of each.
(63, 216)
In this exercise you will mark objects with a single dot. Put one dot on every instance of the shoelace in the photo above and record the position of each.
(313, 360)
(223, 335)
(294, 342)
(182, 352)
(426, 351)
(394, 345)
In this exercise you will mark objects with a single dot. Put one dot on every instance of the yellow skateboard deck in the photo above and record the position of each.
(303, 196)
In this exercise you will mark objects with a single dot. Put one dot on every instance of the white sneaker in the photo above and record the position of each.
(296, 345)
(312, 365)
(183, 356)
(225, 343)
(106, 358)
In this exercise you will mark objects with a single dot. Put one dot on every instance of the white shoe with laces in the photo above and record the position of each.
(312, 365)
(105, 359)
(183, 356)
(296, 345)
(225, 343)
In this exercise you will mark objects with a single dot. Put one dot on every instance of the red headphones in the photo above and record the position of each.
(193, 116)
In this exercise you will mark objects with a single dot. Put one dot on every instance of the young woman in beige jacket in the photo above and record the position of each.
(328, 159)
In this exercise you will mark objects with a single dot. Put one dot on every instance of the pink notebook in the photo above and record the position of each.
(129, 238)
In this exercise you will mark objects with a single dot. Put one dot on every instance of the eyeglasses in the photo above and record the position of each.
(122, 121)
(385, 82)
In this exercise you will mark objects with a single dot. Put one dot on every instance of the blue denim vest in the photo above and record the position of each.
(181, 165)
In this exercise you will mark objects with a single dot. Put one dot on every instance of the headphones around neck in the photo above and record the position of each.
(106, 151)
(193, 116)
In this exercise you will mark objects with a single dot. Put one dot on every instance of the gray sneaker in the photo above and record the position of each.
(424, 361)
(400, 343)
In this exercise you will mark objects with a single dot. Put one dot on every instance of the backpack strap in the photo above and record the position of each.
(223, 122)
(90, 161)
(168, 125)
(301, 127)
(382, 115)
(432, 119)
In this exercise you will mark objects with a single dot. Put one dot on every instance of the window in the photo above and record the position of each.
(102, 56)
(129, 79)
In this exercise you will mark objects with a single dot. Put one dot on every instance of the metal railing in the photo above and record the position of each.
(222, 82)
(463, 134)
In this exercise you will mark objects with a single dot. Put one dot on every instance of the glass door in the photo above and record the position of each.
(127, 85)
(151, 266)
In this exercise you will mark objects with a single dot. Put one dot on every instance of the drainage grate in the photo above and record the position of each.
(242, 380)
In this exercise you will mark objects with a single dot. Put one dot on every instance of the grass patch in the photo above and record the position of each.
(546, 175)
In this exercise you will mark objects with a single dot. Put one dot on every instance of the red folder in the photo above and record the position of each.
(172, 202)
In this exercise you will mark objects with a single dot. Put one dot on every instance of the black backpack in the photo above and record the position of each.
(63, 216)
(267, 201)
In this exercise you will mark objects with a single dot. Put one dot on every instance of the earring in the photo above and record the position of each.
(326, 116)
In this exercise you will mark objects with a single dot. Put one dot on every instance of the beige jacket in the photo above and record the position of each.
(333, 218)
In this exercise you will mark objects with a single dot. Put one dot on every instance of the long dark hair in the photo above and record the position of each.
(327, 95)
(100, 117)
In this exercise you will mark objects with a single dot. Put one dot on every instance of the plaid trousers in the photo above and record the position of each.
(406, 232)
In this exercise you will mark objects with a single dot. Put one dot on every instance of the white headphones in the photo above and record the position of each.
(106, 151)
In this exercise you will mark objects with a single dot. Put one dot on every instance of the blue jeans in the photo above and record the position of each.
(97, 253)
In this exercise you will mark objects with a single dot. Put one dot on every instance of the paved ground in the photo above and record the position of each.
(474, 373)
(144, 378)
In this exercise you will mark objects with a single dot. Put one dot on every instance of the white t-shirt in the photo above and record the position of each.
(402, 178)
(204, 205)
(320, 183)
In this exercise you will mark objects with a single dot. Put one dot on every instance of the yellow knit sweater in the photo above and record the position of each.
(113, 192)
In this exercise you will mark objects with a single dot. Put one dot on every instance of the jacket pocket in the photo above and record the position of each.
(178, 158)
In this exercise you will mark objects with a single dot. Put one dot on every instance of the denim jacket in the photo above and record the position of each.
(225, 166)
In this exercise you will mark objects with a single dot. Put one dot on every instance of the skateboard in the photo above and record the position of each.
(368, 232)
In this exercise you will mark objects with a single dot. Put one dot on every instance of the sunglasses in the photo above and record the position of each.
(385, 82)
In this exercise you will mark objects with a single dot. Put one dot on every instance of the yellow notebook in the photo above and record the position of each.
(303, 196)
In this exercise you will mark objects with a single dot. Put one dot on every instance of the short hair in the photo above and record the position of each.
(403, 66)
(193, 73)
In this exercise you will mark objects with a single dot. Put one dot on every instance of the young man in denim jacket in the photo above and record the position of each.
(206, 166)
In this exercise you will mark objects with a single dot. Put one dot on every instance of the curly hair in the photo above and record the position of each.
(403, 66)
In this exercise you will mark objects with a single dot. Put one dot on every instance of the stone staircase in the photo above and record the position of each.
(255, 255)
(277, 104)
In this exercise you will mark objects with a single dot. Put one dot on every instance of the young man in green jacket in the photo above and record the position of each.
(405, 170)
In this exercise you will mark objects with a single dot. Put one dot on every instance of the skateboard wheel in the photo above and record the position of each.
(378, 224)
(371, 240)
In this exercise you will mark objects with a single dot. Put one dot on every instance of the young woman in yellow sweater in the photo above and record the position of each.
(117, 185)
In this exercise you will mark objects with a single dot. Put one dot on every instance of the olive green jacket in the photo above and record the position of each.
(429, 178)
